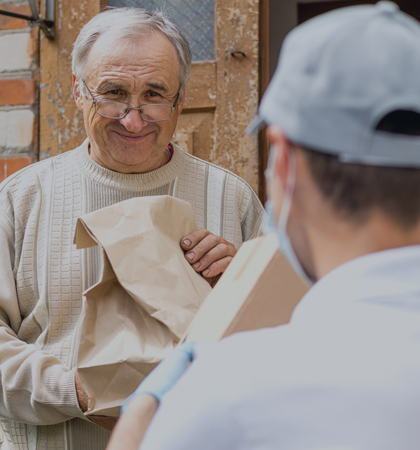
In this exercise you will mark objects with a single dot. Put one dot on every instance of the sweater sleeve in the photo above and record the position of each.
(35, 386)
(253, 217)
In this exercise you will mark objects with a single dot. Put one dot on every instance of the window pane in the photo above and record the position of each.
(194, 17)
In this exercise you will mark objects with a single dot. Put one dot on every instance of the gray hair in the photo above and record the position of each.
(130, 23)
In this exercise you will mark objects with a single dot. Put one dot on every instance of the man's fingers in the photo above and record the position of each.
(204, 247)
(206, 244)
(218, 252)
(218, 267)
(191, 240)
(208, 254)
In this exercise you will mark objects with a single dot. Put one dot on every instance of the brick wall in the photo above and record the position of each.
(18, 90)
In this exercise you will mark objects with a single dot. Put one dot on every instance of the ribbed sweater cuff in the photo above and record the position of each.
(61, 385)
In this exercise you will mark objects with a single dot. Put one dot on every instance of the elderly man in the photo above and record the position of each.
(130, 68)
(344, 181)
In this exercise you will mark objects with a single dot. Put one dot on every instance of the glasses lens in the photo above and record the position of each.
(149, 113)
(155, 113)
(115, 110)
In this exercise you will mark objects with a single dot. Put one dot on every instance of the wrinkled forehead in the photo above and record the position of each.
(129, 51)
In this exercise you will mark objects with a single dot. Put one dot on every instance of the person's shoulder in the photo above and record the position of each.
(250, 352)
(214, 170)
(27, 182)
(218, 177)
(223, 377)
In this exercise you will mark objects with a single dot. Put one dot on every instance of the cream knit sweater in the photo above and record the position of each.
(43, 276)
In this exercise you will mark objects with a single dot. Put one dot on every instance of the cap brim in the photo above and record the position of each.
(256, 125)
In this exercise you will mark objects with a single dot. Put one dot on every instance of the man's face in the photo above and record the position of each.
(144, 70)
(282, 167)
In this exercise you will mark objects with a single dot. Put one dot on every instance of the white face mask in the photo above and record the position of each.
(270, 225)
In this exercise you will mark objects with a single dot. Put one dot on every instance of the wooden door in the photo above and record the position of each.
(222, 95)
(221, 98)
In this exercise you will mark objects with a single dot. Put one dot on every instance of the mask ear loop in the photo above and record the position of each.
(288, 195)
(268, 173)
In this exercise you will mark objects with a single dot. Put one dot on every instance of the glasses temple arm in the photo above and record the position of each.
(88, 91)
(176, 100)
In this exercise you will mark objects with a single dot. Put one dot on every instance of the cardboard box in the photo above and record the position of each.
(259, 289)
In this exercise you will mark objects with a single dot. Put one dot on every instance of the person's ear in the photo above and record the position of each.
(181, 101)
(282, 159)
(76, 93)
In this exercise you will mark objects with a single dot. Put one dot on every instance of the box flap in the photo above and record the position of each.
(233, 289)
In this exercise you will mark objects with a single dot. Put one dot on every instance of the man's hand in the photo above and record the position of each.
(208, 254)
(103, 421)
(81, 393)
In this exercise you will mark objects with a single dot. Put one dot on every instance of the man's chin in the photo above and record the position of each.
(131, 149)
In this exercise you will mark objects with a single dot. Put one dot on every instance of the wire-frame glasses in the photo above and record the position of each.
(149, 112)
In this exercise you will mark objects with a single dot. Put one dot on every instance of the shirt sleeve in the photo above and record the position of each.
(192, 417)
(35, 386)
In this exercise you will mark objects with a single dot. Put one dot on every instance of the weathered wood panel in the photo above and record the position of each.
(194, 133)
(61, 124)
(200, 92)
(264, 73)
(236, 30)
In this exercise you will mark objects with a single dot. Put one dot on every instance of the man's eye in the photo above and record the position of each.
(114, 92)
(154, 94)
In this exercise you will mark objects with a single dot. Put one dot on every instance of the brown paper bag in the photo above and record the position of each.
(259, 289)
(145, 300)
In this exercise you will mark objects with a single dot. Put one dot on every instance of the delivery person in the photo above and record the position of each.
(343, 112)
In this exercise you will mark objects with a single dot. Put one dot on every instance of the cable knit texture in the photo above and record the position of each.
(43, 277)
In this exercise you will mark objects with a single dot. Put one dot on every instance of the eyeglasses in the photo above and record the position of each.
(150, 112)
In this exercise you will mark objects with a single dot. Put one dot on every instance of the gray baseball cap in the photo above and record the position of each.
(338, 75)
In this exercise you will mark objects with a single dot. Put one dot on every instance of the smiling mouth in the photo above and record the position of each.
(133, 137)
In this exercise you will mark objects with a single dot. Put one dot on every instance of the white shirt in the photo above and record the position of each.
(343, 375)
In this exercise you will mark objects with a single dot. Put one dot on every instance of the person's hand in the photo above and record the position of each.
(165, 375)
(208, 254)
(83, 399)
(105, 422)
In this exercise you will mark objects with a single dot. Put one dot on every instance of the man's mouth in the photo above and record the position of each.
(133, 137)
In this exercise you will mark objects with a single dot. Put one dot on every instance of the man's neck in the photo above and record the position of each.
(102, 161)
(341, 242)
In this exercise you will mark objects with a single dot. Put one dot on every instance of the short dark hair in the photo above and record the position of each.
(355, 190)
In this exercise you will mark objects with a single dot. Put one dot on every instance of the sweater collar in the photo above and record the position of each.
(131, 182)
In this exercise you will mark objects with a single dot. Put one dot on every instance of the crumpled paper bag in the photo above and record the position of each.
(145, 300)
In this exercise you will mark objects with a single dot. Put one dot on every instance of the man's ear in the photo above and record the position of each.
(76, 93)
(281, 162)
(181, 101)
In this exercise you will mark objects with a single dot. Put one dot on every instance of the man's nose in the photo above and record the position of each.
(133, 122)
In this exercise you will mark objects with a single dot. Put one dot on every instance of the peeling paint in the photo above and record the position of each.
(61, 124)
(50, 121)
(237, 90)
(44, 155)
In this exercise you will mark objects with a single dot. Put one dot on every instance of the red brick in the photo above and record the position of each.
(17, 92)
(11, 23)
(12, 165)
